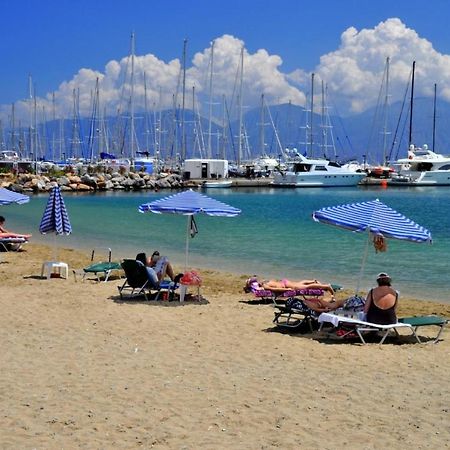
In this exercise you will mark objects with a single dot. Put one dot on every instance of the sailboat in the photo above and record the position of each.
(422, 167)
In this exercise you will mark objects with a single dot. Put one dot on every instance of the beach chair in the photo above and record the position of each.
(357, 327)
(138, 282)
(294, 314)
(12, 244)
(104, 268)
(426, 321)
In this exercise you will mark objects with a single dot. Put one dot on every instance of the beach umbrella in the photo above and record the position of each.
(189, 203)
(55, 219)
(7, 197)
(377, 219)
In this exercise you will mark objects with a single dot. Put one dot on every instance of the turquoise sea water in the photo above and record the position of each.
(274, 236)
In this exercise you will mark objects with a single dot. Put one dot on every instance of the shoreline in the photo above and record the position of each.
(232, 281)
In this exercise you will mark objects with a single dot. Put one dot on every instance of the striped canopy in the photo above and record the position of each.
(188, 203)
(374, 217)
(55, 218)
(7, 197)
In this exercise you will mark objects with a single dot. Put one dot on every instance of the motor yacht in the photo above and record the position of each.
(422, 167)
(305, 172)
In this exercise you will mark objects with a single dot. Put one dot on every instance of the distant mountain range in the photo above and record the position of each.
(360, 136)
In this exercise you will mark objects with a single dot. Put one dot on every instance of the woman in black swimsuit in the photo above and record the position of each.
(381, 302)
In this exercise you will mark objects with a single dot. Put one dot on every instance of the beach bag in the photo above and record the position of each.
(191, 278)
(355, 303)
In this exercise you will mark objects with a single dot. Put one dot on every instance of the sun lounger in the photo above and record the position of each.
(102, 267)
(12, 244)
(276, 295)
(361, 326)
(294, 314)
(426, 321)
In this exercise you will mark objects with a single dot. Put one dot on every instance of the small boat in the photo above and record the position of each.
(217, 184)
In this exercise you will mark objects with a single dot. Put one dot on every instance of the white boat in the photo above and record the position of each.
(217, 184)
(423, 167)
(305, 172)
(9, 155)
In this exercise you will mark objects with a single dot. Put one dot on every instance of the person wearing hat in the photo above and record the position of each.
(381, 302)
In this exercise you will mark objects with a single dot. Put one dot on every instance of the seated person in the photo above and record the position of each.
(4, 233)
(159, 265)
(381, 302)
(287, 285)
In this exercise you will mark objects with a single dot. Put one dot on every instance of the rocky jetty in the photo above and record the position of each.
(123, 180)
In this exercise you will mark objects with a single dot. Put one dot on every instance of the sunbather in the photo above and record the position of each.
(381, 302)
(287, 285)
(322, 305)
(4, 233)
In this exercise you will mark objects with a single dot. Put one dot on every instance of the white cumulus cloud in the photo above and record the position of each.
(354, 71)
(353, 74)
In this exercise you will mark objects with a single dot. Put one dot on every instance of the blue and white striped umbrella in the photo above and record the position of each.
(7, 197)
(374, 217)
(55, 218)
(189, 203)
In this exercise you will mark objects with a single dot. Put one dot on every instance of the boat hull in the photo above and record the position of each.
(216, 184)
(318, 180)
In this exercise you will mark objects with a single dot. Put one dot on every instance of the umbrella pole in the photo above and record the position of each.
(187, 243)
(55, 250)
(363, 264)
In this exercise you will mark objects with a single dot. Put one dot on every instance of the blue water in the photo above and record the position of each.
(274, 236)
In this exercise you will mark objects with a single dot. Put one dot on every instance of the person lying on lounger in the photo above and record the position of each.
(323, 305)
(287, 285)
(4, 233)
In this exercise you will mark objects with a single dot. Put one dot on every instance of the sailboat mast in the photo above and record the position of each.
(147, 120)
(411, 105)
(13, 127)
(323, 120)
(183, 131)
(241, 77)
(30, 93)
(386, 101)
(311, 117)
(224, 133)
(210, 99)
(434, 117)
(261, 130)
(132, 100)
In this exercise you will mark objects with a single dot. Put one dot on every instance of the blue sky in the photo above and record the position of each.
(54, 39)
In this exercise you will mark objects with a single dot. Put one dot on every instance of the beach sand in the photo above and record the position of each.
(80, 369)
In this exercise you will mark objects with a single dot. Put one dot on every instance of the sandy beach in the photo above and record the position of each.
(81, 369)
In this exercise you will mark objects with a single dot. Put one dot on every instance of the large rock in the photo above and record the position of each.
(163, 184)
(84, 187)
(63, 181)
(74, 179)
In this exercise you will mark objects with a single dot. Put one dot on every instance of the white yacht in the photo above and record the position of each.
(305, 172)
(423, 167)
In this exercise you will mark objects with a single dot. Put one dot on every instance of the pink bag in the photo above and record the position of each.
(191, 278)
